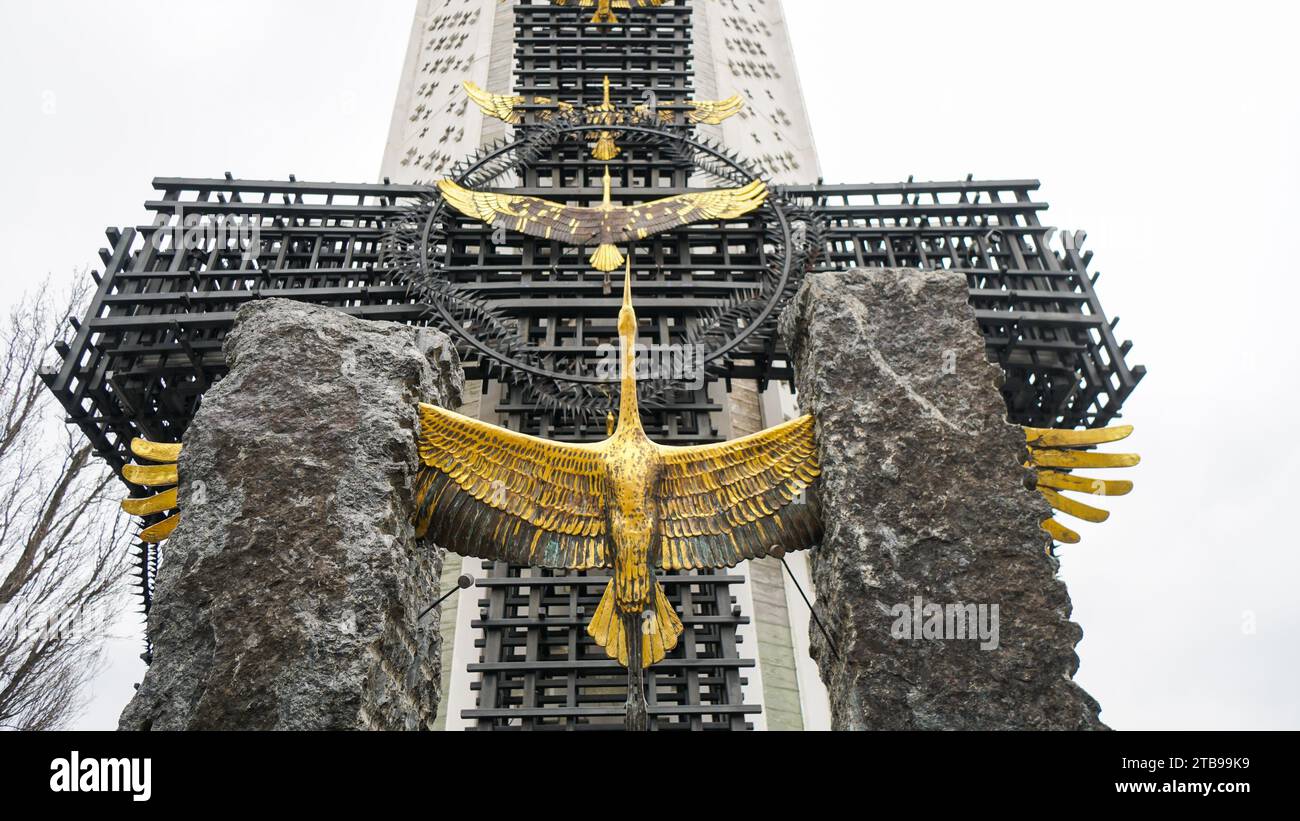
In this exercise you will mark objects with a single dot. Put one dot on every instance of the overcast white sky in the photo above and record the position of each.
(1169, 131)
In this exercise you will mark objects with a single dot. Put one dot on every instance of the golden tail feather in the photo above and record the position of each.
(607, 258)
(606, 148)
(659, 632)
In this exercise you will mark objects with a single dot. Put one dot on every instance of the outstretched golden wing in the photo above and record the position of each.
(713, 112)
(502, 106)
(533, 216)
(1055, 452)
(490, 493)
(658, 216)
(724, 503)
(606, 224)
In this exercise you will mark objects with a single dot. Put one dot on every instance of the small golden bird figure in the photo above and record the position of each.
(604, 8)
(606, 113)
(626, 503)
(606, 223)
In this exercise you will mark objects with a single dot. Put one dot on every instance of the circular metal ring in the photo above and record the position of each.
(428, 272)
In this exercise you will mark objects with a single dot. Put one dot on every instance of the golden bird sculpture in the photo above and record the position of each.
(626, 504)
(605, 8)
(1054, 454)
(605, 224)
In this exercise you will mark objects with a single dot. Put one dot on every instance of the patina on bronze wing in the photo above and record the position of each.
(724, 503)
(605, 224)
(492, 493)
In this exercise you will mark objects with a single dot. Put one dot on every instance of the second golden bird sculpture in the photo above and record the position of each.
(605, 224)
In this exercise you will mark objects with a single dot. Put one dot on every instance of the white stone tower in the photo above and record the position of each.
(741, 47)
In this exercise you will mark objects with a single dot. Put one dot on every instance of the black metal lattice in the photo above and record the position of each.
(541, 671)
(1035, 304)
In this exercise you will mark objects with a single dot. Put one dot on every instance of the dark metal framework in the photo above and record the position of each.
(540, 671)
(150, 343)
(1036, 305)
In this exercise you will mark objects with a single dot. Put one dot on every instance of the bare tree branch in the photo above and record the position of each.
(63, 551)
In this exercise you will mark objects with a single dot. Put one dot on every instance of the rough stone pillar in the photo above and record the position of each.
(287, 597)
(924, 497)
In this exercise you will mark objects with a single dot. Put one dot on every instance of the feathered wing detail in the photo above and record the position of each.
(491, 493)
(657, 216)
(162, 475)
(606, 148)
(1053, 452)
(606, 224)
(504, 107)
(533, 216)
(562, 109)
(713, 112)
(724, 503)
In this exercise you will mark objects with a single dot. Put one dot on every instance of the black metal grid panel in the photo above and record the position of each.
(1037, 307)
(150, 343)
(541, 671)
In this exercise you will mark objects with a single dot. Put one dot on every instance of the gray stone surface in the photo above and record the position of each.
(923, 494)
(288, 595)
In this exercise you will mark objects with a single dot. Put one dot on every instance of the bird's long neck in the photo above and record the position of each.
(607, 201)
(629, 416)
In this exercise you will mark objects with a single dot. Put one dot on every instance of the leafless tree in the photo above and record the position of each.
(63, 557)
